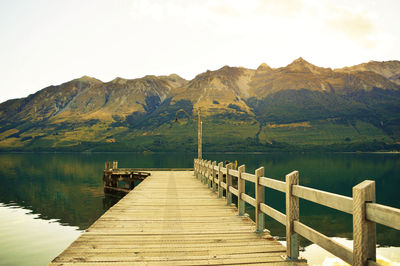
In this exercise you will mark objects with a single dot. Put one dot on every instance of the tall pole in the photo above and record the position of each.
(199, 134)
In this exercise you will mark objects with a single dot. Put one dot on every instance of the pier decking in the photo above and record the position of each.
(173, 219)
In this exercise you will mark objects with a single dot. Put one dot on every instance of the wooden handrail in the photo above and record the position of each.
(382, 214)
(362, 206)
(334, 201)
(325, 242)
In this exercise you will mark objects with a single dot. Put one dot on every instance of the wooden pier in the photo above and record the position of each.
(173, 219)
(187, 218)
(121, 180)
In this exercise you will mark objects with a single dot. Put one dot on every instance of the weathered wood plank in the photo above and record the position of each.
(364, 231)
(385, 215)
(171, 218)
(272, 183)
(249, 177)
(250, 200)
(335, 201)
(323, 241)
(277, 215)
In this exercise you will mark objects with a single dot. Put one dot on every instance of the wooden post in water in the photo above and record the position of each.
(199, 134)
(292, 214)
(241, 189)
(220, 191)
(228, 184)
(259, 199)
(364, 231)
(214, 185)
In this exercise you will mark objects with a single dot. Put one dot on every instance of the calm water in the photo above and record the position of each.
(47, 199)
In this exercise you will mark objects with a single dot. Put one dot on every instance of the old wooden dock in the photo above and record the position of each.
(171, 218)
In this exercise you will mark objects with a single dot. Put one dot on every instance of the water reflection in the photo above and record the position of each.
(69, 188)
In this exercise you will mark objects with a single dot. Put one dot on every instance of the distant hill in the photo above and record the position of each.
(297, 107)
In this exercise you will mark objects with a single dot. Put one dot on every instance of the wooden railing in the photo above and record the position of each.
(366, 213)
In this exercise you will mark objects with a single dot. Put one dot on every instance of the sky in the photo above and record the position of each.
(49, 42)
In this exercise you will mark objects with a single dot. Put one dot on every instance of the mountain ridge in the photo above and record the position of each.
(133, 113)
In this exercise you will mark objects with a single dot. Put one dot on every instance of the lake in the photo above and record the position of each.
(48, 199)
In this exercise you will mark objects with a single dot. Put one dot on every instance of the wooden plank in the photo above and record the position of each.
(223, 185)
(172, 219)
(234, 173)
(234, 191)
(277, 215)
(272, 183)
(323, 241)
(248, 199)
(334, 201)
(382, 214)
(249, 177)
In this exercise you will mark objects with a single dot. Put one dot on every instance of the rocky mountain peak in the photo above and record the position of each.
(264, 67)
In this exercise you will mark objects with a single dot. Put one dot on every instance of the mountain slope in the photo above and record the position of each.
(300, 106)
(388, 69)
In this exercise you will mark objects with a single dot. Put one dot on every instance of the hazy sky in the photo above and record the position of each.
(48, 42)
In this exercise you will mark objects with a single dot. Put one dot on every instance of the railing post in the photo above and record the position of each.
(214, 163)
(202, 170)
(241, 189)
(364, 231)
(292, 214)
(209, 173)
(194, 166)
(220, 191)
(115, 164)
(207, 180)
(259, 199)
(205, 172)
(228, 184)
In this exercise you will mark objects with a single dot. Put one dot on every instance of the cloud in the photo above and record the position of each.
(281, 7)
(356, 26)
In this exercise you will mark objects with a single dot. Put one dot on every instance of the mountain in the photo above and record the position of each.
(388, 69)
(297, 107)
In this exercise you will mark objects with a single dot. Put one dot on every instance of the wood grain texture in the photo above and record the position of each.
(241, 189)
(272, 183)
(171, 218)
(220, 191)
(228, 183)
(323, 241)
(292, 214)
(334, 201)
(364, 231)
(382, 214)
(214, 176)
(260, 224)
